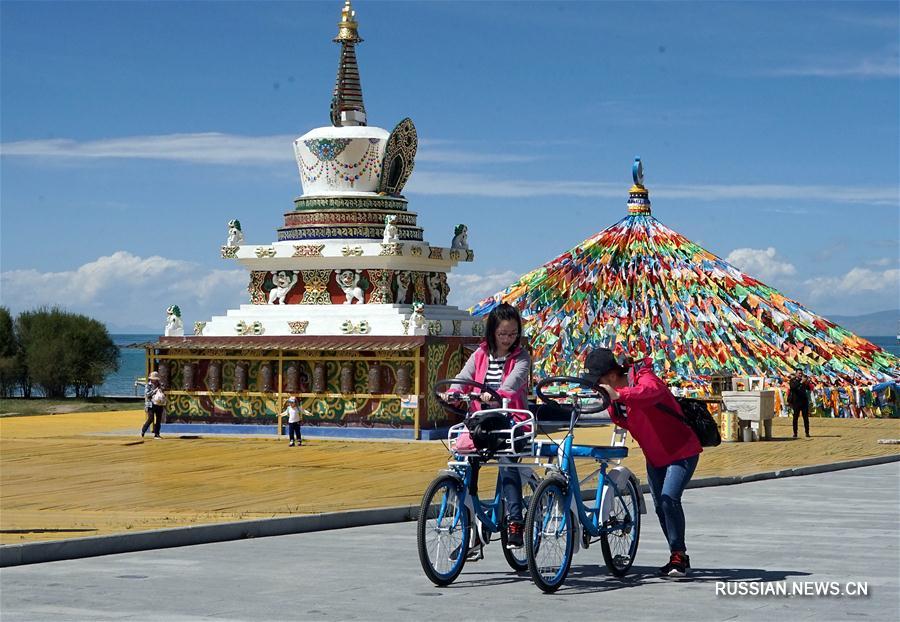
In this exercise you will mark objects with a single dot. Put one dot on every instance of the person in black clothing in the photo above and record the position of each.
(798, 399)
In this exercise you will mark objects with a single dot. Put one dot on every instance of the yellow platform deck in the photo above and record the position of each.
(84, 474)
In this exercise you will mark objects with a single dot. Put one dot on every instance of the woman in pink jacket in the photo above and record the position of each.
(501, 363)
(670, 447)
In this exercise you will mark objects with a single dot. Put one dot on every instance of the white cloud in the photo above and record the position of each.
(475, 184)
(872, 284)
(124, 290)
(209, 147)
(886, 21)
(467, 289)
(882, 262)
(455, 156)
(219, 148)
(763, 264)
(880, 67)
(227, 149)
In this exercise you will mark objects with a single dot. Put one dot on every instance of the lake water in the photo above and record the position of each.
(131, 363)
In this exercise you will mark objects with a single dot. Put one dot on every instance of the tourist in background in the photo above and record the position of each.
(154, 404)
(646, 408)
(798, 399)
(294, 414)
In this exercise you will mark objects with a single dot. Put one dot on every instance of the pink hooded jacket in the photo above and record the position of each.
(515, 374)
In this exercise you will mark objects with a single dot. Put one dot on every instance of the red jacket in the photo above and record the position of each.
(663, 438)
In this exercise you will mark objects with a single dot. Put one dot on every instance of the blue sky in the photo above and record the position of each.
(132, 132)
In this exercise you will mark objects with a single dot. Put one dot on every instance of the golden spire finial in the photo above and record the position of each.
(638, 196)
(347, 26)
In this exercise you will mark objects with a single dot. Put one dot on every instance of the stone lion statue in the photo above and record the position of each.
(391, 234)
(349, 282)
(460, 238)
(283, 281)
(417, 318)
(174, 324)
(235, 235)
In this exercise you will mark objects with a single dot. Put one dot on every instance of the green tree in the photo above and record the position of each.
(11, 371)
(65, 351)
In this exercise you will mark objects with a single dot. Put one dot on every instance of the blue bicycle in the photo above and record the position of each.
(559, 519)
(454, 523)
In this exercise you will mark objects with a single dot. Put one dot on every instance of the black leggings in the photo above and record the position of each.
(798, 410)
(154, 418)
(294, 430)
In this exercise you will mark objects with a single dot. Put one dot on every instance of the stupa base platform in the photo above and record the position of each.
(307, 431)
(375, 384)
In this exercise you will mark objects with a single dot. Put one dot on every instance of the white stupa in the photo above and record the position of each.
(350, 258)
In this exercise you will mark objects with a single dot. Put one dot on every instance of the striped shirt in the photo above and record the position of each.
(494, 376)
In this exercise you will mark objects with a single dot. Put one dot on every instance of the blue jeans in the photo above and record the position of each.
(666, 485)
(511, 489)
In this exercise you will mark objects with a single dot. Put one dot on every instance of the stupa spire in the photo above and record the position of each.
(347, 106)
(638, 196)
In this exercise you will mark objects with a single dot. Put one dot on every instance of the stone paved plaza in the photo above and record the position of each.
(834, 527)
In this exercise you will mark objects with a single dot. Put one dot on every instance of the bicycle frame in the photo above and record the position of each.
(487, 513)
(590, 518)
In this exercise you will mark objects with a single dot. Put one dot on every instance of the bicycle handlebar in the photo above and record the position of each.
(592, 393)
(470, 396)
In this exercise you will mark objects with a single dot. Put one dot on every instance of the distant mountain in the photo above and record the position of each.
(880, 324)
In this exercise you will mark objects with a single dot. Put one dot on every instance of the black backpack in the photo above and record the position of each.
(696, 415)
(481, 426)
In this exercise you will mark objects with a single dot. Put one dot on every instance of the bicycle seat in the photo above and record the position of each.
(550, 411)
(597, 452)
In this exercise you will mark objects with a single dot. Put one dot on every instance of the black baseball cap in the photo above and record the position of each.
(601, 361)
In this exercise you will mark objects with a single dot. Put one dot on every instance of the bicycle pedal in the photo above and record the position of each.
(475, 554)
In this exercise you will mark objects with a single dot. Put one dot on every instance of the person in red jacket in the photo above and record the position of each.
(670, 447)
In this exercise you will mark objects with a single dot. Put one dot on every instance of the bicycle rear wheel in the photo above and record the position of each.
(549, 536)
(443, 531)
(517, 558)
(620, 543)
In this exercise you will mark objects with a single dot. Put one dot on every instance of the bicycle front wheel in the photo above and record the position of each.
(443, 531)
(549, 536)
(622, 530)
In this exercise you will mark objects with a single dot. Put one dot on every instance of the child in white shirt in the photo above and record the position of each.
(295, 414)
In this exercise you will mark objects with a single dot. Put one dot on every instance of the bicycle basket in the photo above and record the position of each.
(482, 426)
